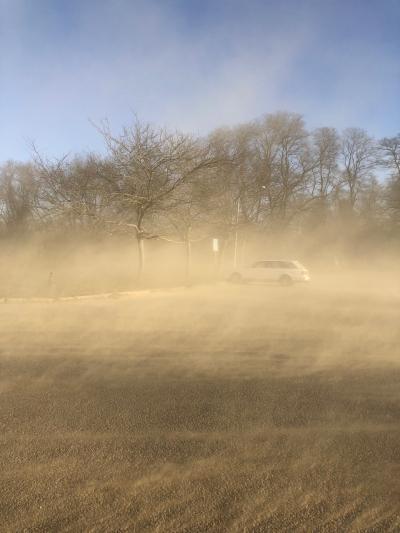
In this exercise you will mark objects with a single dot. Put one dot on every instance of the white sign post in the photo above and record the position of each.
(215, 247)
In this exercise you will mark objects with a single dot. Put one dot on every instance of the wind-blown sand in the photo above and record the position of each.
(225, 408)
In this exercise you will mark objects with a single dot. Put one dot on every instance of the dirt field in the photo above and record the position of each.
(224, 408)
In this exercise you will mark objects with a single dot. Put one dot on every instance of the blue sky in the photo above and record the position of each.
(192, 65)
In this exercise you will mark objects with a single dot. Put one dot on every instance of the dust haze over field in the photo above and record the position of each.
(215, 407)
(151, 152)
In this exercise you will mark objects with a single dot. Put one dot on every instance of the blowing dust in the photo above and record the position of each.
(210, 407)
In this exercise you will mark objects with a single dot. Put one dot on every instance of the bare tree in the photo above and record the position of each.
(148, 166)
(186, 219)
(239, 182)
(326, 145)
(372, 208)
(71, 192)
(325, 176)
(284, 166)
(18, 191)
(389, 158)
(389, 151)
(358, 157)
(231, 201)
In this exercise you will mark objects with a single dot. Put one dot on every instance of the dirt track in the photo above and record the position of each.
(218, 409)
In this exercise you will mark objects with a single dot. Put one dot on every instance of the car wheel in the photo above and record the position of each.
(236, 278)
(285, 281)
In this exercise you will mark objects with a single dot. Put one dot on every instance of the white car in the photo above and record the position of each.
(283, 272)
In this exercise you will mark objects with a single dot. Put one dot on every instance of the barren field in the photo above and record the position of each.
(220, 408)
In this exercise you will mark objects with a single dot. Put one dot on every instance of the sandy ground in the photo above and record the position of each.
(224, 408)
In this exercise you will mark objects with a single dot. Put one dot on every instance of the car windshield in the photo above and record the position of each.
(299, 265)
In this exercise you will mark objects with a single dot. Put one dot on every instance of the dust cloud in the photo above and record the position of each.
(210, 407)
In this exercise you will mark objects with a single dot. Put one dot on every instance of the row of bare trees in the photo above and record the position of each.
(267, 175)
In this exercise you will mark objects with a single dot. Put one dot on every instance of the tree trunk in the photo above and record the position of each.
(141, 259)
(235, 245)
(221, 254)
(188, 262)
(188, 258)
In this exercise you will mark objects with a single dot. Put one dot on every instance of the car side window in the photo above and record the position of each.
(264, 264)
(287, 264)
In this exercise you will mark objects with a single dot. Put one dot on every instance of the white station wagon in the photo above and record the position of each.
(283, 272)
